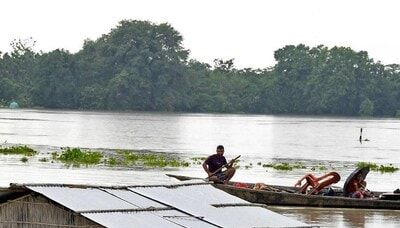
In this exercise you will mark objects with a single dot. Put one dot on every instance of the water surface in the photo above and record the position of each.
(331, 142)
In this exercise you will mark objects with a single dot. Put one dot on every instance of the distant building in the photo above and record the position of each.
(14, 105)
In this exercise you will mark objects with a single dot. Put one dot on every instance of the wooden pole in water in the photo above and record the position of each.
(360, 135)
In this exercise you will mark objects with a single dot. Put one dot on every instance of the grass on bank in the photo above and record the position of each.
(19, 150)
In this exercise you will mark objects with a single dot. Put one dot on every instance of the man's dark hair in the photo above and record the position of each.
(220, 147)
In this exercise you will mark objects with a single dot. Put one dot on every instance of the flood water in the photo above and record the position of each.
(329, 142)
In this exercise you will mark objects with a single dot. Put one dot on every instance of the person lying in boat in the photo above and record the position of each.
(357, 188)
(213, 164)
(316, 183)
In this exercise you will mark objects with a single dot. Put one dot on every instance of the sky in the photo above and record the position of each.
(247, 30)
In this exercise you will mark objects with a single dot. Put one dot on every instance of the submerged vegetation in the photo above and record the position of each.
(378, 168)
(22, 150)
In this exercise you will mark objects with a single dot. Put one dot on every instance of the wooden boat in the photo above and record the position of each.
(288, 196)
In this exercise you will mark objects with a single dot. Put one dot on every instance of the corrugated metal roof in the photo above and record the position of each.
(165, 218)
(202, 193)
(134, 198)
(197, 200)
(83, 199)
(192, 206)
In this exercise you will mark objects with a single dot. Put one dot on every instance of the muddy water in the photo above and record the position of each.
(320, 143)
(342, 217)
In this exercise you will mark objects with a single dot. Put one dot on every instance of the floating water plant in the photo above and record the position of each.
(298, 165)
(284, 166)
(371, 166)
(22, 150)
(379, 168)
(24, 159)
(268, 165)
(112, 162)
(198, 158)
(77, 157)
(43, 160)
(321, 168)
(152, 160)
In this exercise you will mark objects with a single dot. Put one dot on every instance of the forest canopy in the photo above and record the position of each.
(143, 66)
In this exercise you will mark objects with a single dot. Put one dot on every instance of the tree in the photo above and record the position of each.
(138, 55)
(16, 72)
(56, 84)
(366, 108)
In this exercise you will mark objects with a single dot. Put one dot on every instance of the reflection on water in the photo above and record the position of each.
(333, 217)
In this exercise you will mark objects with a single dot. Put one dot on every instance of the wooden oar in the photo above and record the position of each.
(226, 165)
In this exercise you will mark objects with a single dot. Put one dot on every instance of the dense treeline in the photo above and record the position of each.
(140, 65)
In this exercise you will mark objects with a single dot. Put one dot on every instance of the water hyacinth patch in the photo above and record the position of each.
(43, 160)
(24, 159)
(77, 157)
(284, 166)
(22, 150)
(153, 160)
(378, 168)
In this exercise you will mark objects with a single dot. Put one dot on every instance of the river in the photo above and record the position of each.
(320, 143)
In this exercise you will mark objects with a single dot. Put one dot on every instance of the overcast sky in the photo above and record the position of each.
(247, 30)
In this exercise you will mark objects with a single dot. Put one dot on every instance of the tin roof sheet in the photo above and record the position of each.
(165, 218)
(190, 206)
(197, 200)
(134, 199)
(202, 193)
(83, 199)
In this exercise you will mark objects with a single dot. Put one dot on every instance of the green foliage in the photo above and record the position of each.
(366, 108)
(198, 158)
(23, 150)
(112, 162)
(370, 165)
(267, 165)
(76, 156)
(43, 160)
(284, 166)
(378, 168)
(56, 82)
(141, 65)
(3, 103)
(151, 160)
(24, 159)
(322, 168)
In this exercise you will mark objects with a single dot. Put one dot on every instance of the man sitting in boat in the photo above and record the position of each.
(317, 183)
(357, 188)
(213, 166)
